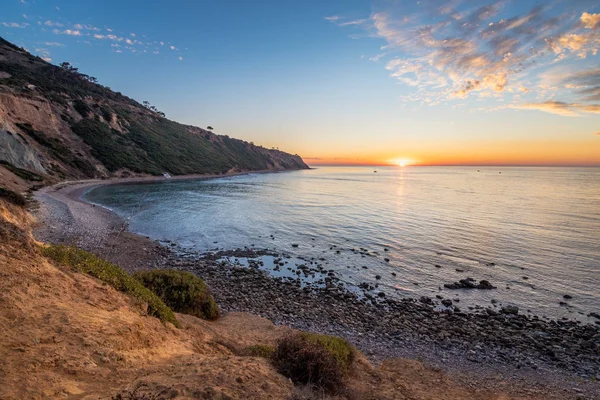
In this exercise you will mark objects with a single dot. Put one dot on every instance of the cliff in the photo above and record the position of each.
(59, 124)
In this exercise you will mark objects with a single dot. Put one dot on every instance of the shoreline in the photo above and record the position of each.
(492, 350)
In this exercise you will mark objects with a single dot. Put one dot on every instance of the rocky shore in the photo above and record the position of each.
(498, 347)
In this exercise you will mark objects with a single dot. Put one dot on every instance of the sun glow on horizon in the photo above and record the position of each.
(402, 162)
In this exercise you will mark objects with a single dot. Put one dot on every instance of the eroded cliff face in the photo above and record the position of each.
(58, 123)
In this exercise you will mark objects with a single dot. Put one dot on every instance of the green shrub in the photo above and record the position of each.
(81, 107)
(12, 197)
(87, 263)
(183, 291)
(259, 350)
(308, 358)
(21, 173)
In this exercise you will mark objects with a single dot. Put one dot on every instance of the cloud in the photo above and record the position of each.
(180, 58)
(458, 50)
(86, 27)
(15, 25)
(67, 32)
(44, 54)
(57, 7)
(52, 23)
(132, 34)
(172, 47)
(25, 16)
(54, 44)
(560, 108)
(590, 21)
(598, 133)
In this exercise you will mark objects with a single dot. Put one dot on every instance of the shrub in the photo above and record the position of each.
(12, 197)
(21, 173)
(81, 107)
(87, 263)
(184, 292)
(308, 358)
(259, 350)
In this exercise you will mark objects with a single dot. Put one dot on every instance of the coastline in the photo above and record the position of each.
(497, 350)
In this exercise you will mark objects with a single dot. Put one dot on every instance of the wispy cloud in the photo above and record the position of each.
(15, 25)
(54, 44)
(560, 108)
(455, 50)
(53, 24)
(180, 58)
(67, 32)
(44, 54)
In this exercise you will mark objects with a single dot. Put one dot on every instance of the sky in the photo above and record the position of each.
(430, 82)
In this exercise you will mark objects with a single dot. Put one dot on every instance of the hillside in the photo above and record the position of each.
(57, 123)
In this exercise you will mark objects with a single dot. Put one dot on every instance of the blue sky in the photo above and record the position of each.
(347, 81)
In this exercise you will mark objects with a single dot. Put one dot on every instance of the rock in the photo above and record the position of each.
(469, 283)
(386, 259)
(294, 245)
(567, 297)
(447, 302)
(377, 277)
(510, 310)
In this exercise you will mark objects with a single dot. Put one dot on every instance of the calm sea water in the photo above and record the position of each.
(533, 232)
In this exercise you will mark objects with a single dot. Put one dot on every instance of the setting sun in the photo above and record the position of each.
(402, 162)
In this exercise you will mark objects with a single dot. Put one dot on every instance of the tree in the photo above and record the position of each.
(210, 128)
(68, 67)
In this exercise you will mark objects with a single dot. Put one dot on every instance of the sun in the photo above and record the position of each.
(401, 162)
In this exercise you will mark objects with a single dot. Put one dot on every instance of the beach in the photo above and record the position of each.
(504, 348)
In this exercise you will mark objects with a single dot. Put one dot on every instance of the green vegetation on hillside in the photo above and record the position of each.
(87, 263)
(183, 291)
(139, 137)
(21, 173)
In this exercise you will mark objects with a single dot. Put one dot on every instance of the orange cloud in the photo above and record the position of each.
(560, 108)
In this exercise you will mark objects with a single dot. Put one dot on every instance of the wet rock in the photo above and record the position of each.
(470, 283)
(514, 310)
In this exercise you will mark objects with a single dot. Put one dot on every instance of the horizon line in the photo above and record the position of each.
(454, 165)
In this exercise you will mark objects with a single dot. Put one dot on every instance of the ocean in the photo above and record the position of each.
(533, 232)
